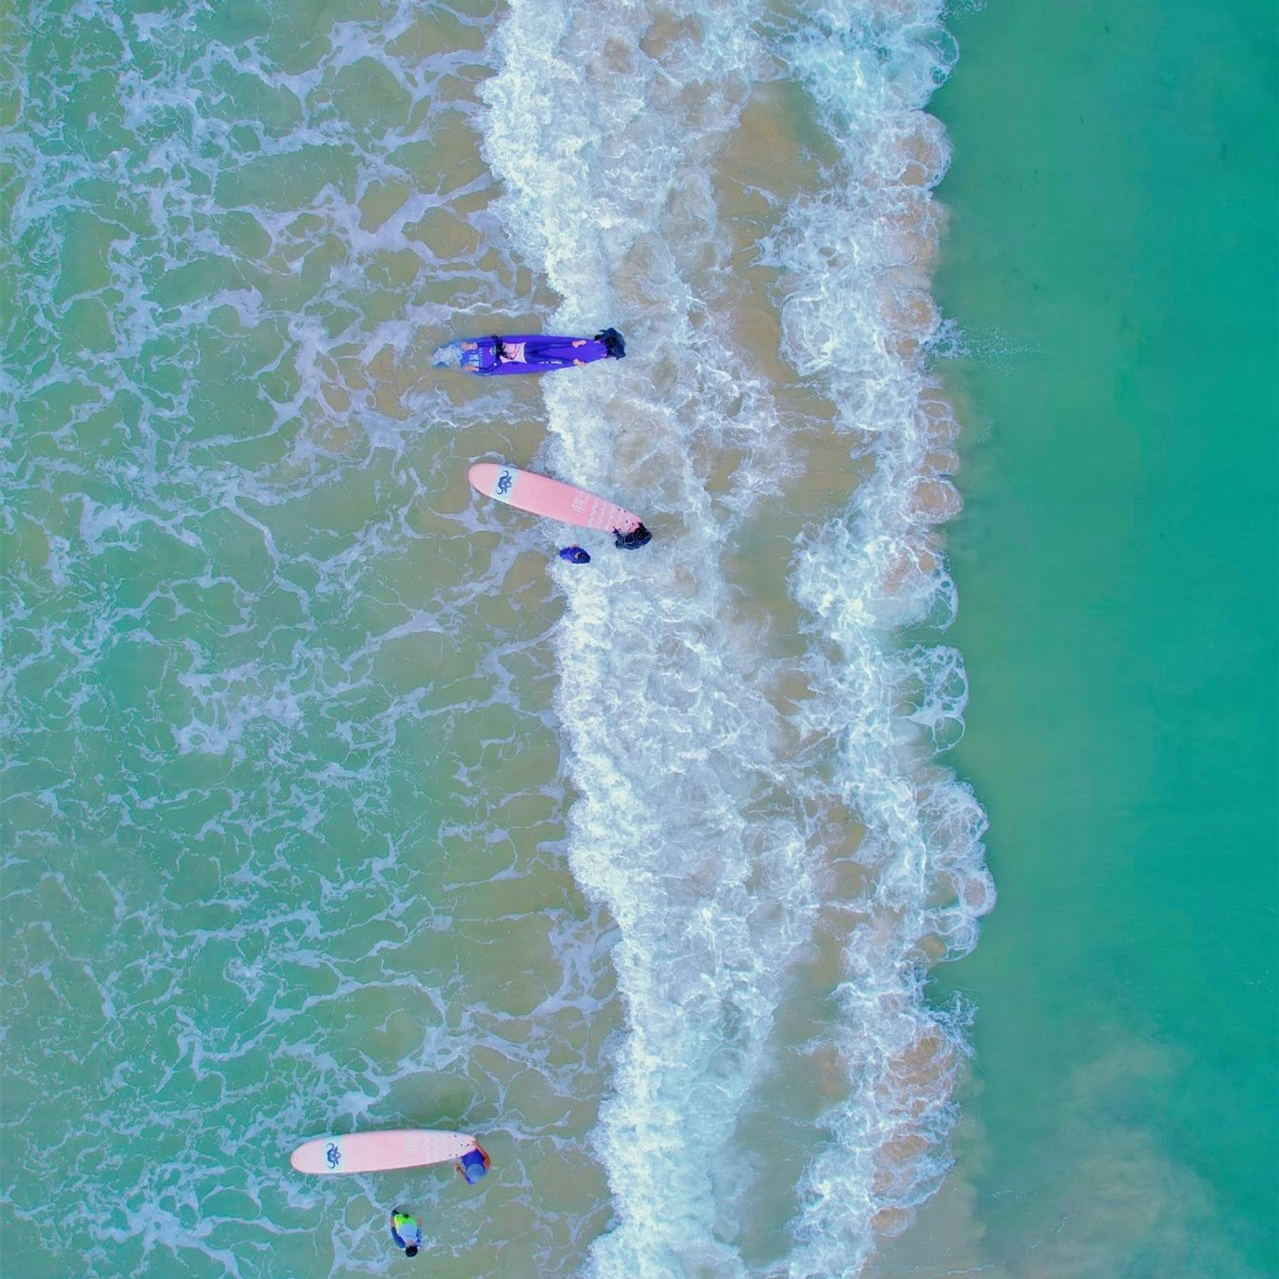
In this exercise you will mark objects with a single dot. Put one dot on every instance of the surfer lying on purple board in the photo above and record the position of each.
(537, 352)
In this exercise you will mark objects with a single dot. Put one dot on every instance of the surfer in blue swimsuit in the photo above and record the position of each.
(473, 1165)
(613, 343)
(406, 1230)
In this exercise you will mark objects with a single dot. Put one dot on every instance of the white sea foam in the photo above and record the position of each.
(857, 265)
(675, 753)
(684, 826)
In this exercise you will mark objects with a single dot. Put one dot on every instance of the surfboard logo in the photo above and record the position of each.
(332, 1155)
(504, 481)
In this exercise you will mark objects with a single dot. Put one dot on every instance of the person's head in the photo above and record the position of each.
(637, 537)
(411, 1250)
(613, 344)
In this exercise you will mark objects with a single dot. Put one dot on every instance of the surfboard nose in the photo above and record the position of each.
(481, 477)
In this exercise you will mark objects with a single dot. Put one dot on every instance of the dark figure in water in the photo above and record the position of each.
(613, 343)
(406, 1231)
(632, 541)
(575, 555)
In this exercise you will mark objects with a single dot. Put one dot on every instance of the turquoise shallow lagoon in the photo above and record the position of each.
(1112, 262)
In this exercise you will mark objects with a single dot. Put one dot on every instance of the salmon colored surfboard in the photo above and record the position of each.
(542, 495)
(380, 1151)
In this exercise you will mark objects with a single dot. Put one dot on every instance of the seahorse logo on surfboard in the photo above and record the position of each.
(332, 1155)
(504, 482)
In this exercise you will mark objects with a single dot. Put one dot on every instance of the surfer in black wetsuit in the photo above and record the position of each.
(613, 343)
(632, 541)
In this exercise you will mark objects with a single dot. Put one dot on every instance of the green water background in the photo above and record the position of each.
(1111, 260)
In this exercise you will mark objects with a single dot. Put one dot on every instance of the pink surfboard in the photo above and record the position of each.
(380, 1151)
(542, 495)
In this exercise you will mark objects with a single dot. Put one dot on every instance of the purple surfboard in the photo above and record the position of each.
(530, 352)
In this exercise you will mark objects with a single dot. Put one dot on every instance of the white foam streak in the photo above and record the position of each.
(683, 826)
(659, 833)
(857, 315)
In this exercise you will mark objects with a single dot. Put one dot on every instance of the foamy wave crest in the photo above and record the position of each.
(604, 124)
(858, 316)
(694, 826)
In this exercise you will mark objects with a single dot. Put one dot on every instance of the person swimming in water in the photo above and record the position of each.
(632, 541)
(473, 1165)
(575, 555)
(406, 1230)
(613, 343)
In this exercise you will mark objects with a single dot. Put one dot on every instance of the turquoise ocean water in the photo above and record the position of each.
(1112, 255)
(332, 800)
